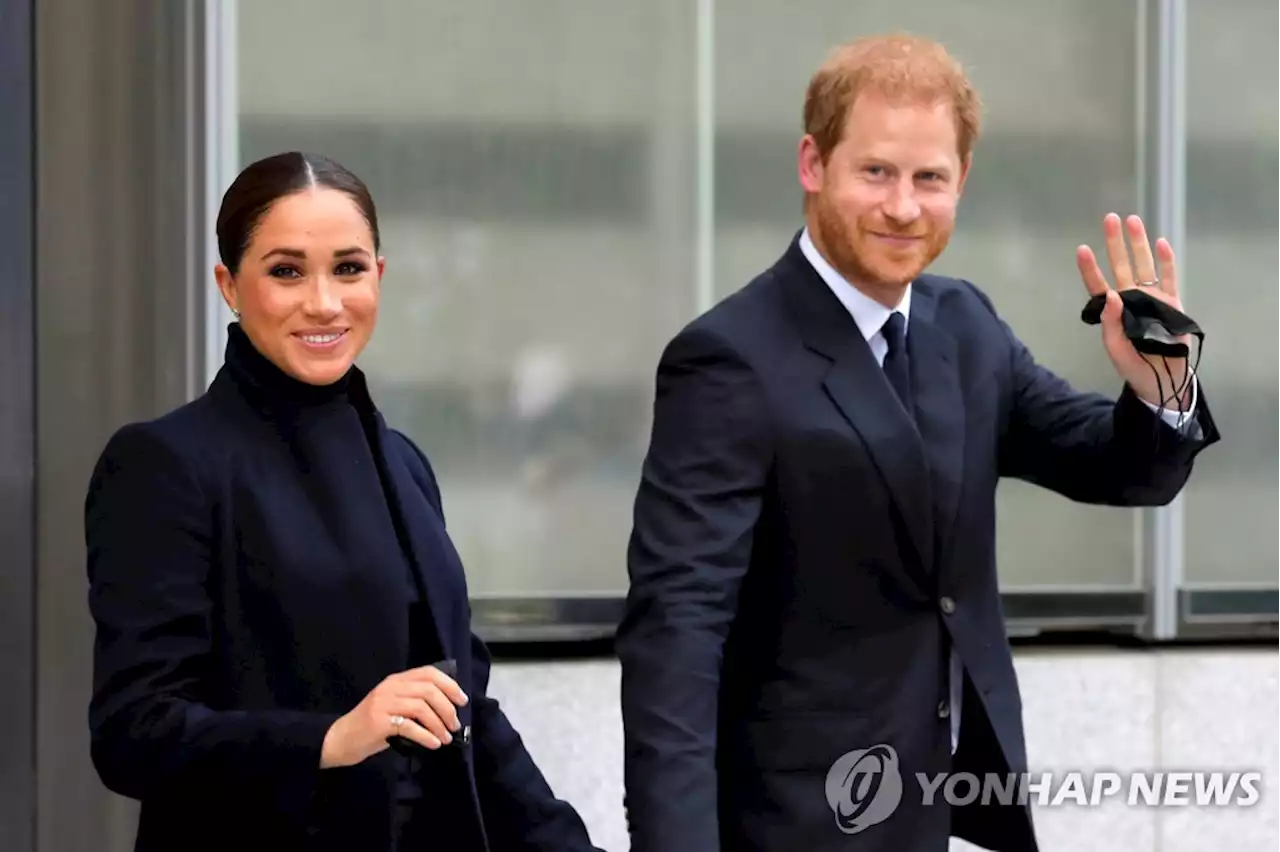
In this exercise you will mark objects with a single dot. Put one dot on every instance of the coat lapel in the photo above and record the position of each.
(422, 535)
(939, 407)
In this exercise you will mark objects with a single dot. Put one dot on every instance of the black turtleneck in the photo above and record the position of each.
(331, 432)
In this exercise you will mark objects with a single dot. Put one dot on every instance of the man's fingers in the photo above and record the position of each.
(1112, 310)
(1113, 336)
(1168, 268)
(1144, 264)
(1094, 281)
(1117, 253)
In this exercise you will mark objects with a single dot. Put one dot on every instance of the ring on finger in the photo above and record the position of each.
(397, 721)
(1148, 283)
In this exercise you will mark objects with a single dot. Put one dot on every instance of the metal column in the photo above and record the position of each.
(1164, 34)
(122, 271)
(17, 427)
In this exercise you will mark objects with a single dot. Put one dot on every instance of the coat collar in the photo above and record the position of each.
(354, 466)
(275, 394)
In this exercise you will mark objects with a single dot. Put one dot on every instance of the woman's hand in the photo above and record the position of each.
(418, 704)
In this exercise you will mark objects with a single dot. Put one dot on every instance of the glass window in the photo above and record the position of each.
(533, 165)
(1060, 149)
(1229, 266)
(537, 173)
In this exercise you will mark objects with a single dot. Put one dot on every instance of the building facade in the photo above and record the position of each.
(561, 187)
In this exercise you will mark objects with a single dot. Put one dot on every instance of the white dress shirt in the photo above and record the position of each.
(870, 316)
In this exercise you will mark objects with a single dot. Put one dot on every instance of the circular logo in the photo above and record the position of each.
(864, 787)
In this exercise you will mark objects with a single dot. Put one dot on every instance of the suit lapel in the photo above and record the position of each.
(858, 387)
(939, 407)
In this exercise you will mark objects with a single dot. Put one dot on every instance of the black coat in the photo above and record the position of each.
(254, 560)
(805, 556)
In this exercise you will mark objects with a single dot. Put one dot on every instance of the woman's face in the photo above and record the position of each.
(307, 286)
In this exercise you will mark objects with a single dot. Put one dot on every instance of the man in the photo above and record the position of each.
(813, 559)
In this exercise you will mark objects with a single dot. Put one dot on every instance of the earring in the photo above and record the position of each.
(235, 313)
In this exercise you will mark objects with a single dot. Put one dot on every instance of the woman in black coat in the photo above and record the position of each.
(284, 658)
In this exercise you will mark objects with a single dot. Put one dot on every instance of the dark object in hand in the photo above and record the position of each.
(1151, 325)
(461, 737)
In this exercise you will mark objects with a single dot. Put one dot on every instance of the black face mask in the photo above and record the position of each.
(1153, 328)
(1151, 325)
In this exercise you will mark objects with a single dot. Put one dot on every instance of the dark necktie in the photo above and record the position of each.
(896, 366)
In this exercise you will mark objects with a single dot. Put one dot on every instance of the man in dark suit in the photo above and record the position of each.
(814, 619)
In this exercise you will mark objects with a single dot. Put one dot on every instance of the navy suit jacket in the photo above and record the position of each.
(248, 589)
(805, 557)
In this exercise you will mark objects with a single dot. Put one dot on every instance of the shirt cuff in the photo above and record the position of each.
(1182, 421)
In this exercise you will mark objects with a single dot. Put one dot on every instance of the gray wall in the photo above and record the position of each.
(119, 328)
(17, 428)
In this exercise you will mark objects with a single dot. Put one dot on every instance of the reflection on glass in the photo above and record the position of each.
(1229, 268)
(1059, 151)
(533, 166)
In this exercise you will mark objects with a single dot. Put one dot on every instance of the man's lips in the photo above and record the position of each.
(897, 239)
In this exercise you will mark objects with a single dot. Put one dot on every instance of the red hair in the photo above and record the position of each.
(898, 66)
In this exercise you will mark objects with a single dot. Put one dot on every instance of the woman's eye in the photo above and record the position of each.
(349, 268)
(284, 272)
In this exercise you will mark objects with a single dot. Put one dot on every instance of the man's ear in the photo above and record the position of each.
(964, 172)
(810, 166)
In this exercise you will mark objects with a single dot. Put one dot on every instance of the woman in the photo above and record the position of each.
(277, 601)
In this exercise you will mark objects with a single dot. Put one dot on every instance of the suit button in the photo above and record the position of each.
(948, 605)
(944, 709)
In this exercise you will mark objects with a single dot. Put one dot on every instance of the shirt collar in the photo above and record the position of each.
(869, 314)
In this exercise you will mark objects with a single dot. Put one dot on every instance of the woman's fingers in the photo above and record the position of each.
(424, 717)
(439, 703)
(412, 729)
(431, 674)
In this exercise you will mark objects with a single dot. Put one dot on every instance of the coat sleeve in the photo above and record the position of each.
(149, 536)
(700, 497)
(521, 812)
(1089, 447)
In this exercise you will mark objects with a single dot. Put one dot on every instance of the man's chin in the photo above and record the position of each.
(900, 269)
(895, 275)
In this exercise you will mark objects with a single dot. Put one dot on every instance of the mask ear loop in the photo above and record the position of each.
(1175, 394)
(1179, 394)
(1190, 377)
(1155, 428)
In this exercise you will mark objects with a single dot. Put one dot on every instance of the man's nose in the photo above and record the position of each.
(901, 206)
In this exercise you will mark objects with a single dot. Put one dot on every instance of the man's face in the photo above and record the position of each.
(883, 206)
